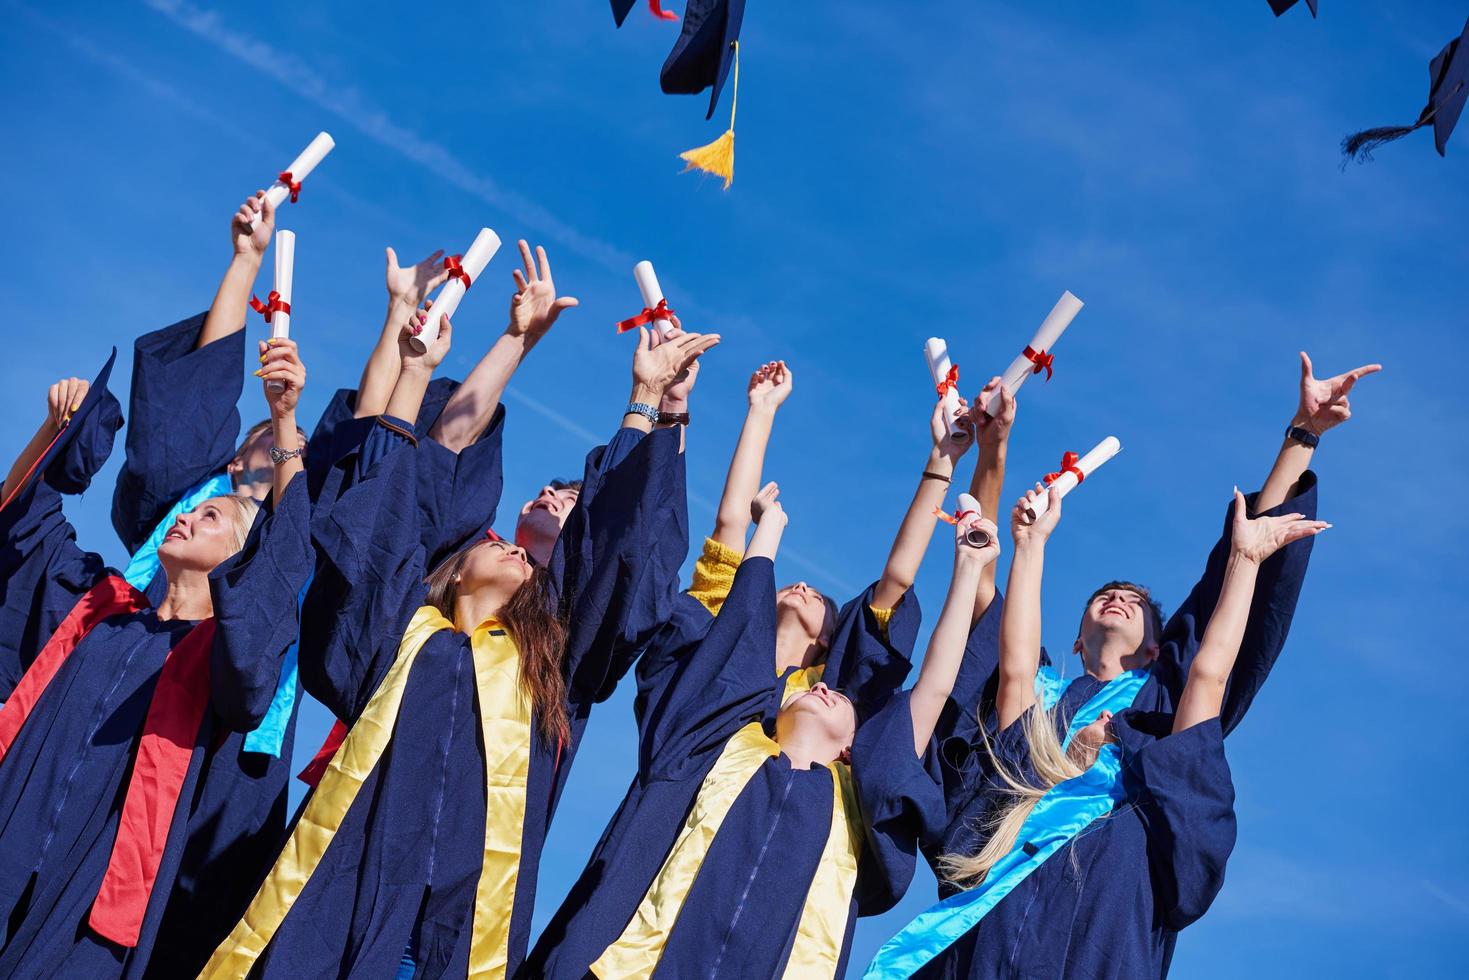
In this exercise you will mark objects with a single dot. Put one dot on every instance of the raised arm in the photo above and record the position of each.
(950, 635)
(917, 528)
(231, 300)
(770, 523)
(1020, 623)
(281, 362)
(769, 387)
(415, 369)
(1323, 404)
(1251, 542)
(992, 432)
(62, 398)
(407, 290)
(533, 309)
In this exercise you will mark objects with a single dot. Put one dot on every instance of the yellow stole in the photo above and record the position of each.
(505, 720)
(802, 679)
(823, 926)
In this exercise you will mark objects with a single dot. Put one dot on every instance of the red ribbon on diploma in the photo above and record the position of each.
(294, 186)
(271, 306)
(659, 12)
(659, 312)
(1068, 465)
(453, 263)
(1041, 360)
(950, 382)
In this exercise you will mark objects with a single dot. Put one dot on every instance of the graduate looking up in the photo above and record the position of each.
(466, 690)
(117, 710)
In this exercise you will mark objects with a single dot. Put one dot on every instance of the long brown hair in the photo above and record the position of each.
(534, 624)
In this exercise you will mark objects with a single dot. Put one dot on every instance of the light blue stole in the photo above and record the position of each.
(1064, 811)
(269, 736)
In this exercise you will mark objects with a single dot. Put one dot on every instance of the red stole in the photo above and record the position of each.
(161, 763)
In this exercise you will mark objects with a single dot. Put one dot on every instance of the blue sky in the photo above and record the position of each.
(902, 170)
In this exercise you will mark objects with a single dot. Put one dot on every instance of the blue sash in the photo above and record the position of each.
(1064, 811)
(269, 736)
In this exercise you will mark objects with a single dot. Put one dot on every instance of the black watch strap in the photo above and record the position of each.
(1297, 434)
(673, 418)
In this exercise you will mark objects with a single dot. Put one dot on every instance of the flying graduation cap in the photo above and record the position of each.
(705, 55)
(1281, 6)
(1448, 86)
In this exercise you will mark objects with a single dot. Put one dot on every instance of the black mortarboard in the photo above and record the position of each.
(1279, 6)
(84, 445)
(705, 49)
(1448, 86)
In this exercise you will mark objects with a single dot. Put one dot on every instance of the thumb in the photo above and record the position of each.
(392, 259)
(1305, 366)
(645, 342)
(567, 302)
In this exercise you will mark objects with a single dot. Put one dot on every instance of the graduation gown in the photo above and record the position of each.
(740, 911)
(64, 780)
(1165, 851)
(403, 866)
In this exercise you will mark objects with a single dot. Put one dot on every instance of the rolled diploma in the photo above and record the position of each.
(652, 292)
(1045, 338)
(1066, 482)
(486, 244)
(314, 153)
(977, 537)
(285, 262)
(937, 352)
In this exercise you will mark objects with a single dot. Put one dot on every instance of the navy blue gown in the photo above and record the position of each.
(402, 869)
(1111, 903)
(701, 681)
(62, 783)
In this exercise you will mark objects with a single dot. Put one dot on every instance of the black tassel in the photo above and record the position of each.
(1359, 146)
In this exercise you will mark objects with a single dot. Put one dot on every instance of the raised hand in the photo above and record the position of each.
(63, 398)
(1024, 533)
(767, 502)
(535, 305)
(965, 551)
(938, 428)
(656, 366)
(412, 285)
(770, 385)
(247, 242)
(676, 398)
(280, 361)
(431, 358)
(1324, 401)
(1256, 540)
(991, 430)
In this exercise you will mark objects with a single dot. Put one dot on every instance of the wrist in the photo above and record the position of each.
(645, 393)
(250, 261)
(415, 366)
(674, 405)
(1302, 421)
(939, 462)
(759, 411)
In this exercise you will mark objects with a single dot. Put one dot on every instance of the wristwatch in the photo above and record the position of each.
(1306, 438)
(644, 409)
(673, 418)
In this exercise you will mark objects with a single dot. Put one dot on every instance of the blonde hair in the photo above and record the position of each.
(246, 509)
(1052, 766)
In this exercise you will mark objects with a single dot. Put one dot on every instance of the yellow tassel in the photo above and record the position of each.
(718, 157)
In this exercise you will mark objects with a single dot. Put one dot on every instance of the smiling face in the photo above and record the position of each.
(543, 516)
(1123, 614)
(821, 719)
(494, 564)
(803, 605)
(207, 535)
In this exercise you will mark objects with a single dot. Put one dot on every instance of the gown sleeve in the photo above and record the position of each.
(901, 805)
(1185, 796)
(869, 659)
(616, 562)
(256, 611)
(369, 574)
(1277, 589)
(725, 683)
(183, 422)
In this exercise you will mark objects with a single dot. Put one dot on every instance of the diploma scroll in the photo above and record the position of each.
(1067, 480)
(652, 293)
(465, 272)
(940, 367)
(280, 319)
(297, 172)
(976, 537)
(1045, 338)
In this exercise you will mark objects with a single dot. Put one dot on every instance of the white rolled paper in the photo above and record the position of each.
(1067, 481)
(937, 352)
(485, 245)
(300, 167)
(285, 264)
(1045, 338)
(652, 292)
(977, 537)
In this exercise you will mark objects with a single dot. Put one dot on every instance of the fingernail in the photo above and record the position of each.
(259, 373)
(76, 406)
(1327, 526)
